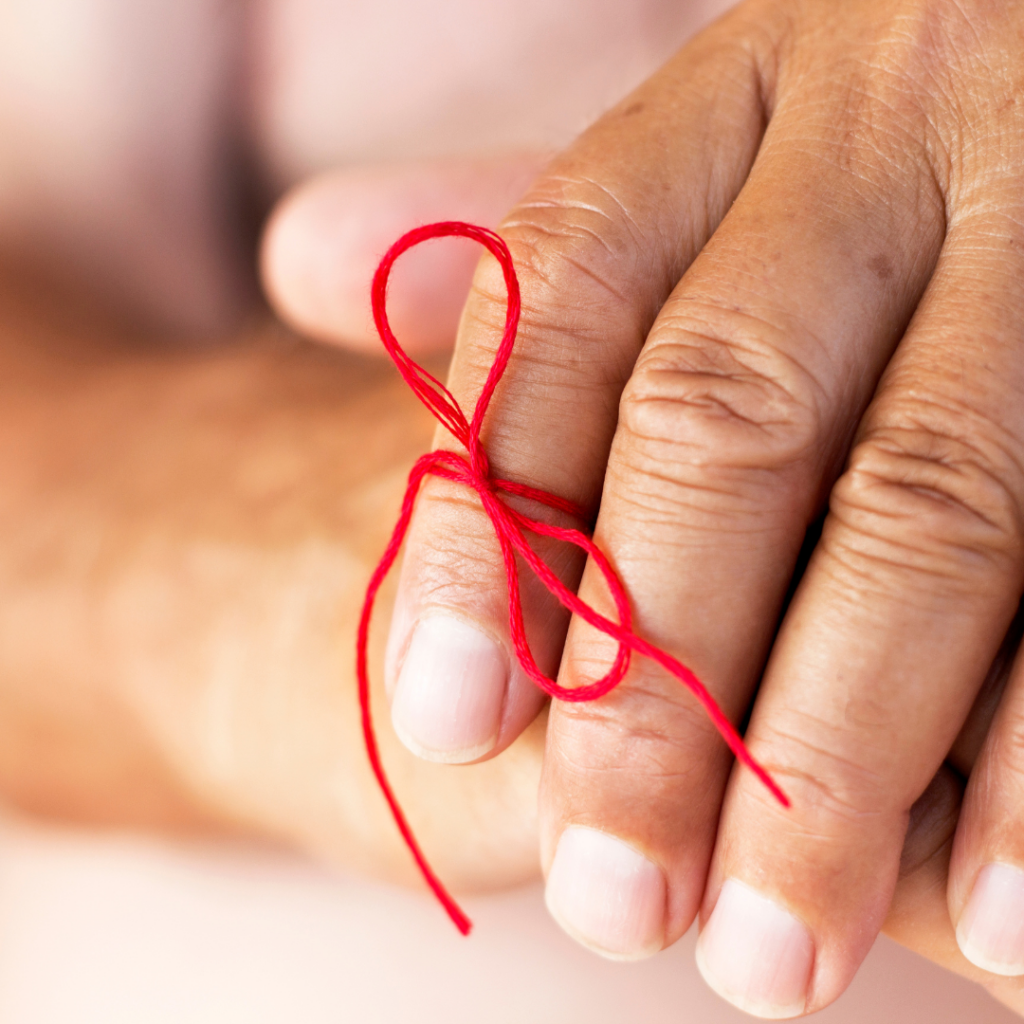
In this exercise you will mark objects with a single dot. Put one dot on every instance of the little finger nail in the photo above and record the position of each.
(755, 954)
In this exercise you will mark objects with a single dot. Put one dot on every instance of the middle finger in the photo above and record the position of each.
(732, 427)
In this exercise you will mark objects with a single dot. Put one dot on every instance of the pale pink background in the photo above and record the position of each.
(123, 930)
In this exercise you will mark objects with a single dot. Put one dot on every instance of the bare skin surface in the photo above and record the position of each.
(167, 592)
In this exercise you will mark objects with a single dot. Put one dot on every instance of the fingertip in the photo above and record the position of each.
(316, 263)
(458, 697)
(756, 954)
(990, 932)
(450, 693)
(607, 895)
(323, 242)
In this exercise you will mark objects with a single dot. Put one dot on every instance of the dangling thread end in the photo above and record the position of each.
(779, 794)
(444, 897)
(441, 404)
(770, 784)
(459, 919)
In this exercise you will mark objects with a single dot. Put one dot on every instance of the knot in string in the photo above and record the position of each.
(510, 526)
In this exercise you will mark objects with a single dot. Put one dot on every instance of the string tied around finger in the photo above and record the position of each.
(510, 527)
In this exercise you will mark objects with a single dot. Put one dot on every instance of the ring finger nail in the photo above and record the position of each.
(991, 929)
(606, 894)
(450, 692)
(755, 954)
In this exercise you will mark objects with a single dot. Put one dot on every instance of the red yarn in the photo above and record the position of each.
(473, 470)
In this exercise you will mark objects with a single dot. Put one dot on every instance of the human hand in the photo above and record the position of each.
(132, 720)
(186, 541)
(781, 276)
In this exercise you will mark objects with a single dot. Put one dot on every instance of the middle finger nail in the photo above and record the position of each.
(755, 954)
(606, 894)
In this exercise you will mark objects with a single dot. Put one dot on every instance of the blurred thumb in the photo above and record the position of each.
(325, 238)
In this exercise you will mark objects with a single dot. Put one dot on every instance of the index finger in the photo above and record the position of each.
(598, 248)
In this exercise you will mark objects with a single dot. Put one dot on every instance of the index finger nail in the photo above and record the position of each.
(450, 692)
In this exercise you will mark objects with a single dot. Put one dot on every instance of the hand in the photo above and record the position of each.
(82, 736)
(783, 276)
(187, 536)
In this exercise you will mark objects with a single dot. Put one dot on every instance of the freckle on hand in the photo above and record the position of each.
(881, 266)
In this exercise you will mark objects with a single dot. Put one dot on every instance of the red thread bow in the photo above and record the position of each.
(473, 470)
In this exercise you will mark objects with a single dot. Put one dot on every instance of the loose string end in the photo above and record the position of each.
(765, 777)
(455, 912)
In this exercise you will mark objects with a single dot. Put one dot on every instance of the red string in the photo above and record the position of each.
(473, 471)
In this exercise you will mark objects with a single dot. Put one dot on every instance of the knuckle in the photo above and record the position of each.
(452, 549)
(453, 558)
(577, 235)
(641, 736)
(933, 491)
(718, 393)
(581, 257)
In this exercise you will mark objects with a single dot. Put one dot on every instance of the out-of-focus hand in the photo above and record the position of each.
(186, 541)
(783, 277)
(122, 161)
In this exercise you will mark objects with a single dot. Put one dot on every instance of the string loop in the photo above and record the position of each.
(473, 471)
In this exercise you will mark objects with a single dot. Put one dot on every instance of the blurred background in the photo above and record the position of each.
(116, 930)
(143, 143)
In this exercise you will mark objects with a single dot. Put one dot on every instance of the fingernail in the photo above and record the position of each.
(991, 928)
(450, 692)
(606, 894)
(755, 954)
